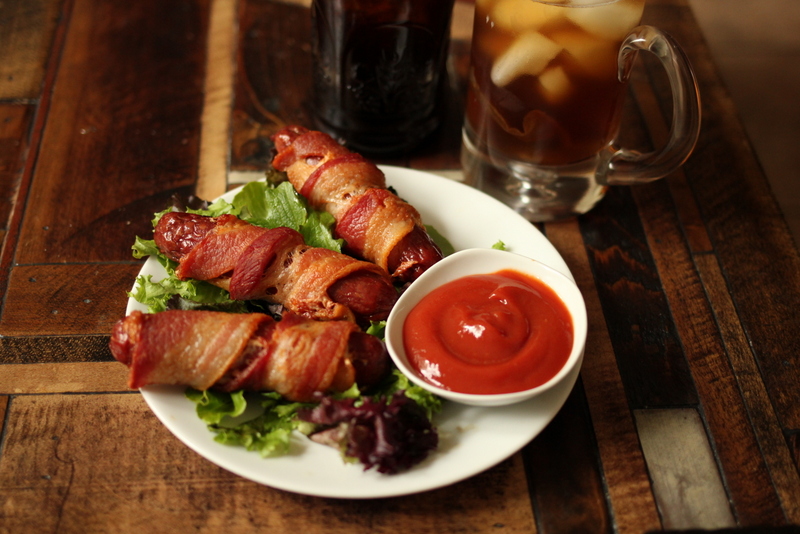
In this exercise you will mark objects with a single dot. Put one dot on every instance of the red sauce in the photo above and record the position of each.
(490, 333)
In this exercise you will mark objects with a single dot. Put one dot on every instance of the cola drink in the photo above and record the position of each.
(378, 69)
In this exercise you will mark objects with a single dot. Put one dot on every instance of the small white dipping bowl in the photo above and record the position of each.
(486, 261)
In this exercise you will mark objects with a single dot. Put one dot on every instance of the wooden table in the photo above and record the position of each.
(687, 410)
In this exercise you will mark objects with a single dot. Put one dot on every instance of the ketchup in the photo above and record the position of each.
(489, 333)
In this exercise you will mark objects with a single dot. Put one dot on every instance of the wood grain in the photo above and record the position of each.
(646, 345)
(732, 182)
(771, 441)
(64, 299)
(64, 377)
(728, 182)
(686, 480)
(48, 64)
(27, 32)
(58, 474)
(53, 349)
(15, 125)
(564, 471)
(631, 501)
(214, 147)
(714, 379)
(747, 478)
(119, 141)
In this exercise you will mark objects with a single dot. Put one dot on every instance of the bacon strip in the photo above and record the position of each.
(296, 357)
(258, 263)
(376, 224)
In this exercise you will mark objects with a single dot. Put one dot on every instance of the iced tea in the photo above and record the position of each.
(544, 88)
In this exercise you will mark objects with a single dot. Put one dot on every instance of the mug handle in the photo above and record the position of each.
(626, 167)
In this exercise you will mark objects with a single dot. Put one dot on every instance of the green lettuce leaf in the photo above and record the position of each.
(261, 422)
(157, 294)
(270, 207)
(440, 240)
(400, 382)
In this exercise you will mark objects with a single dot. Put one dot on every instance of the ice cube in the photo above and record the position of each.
(555, 83)
(519, 16)
(609, 21)
(598, 59)
(529, 54)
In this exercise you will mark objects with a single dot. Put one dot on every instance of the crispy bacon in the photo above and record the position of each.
(258, 263)
(376, 224)
(296, 357)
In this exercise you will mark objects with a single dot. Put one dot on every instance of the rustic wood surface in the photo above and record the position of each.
(687, 412)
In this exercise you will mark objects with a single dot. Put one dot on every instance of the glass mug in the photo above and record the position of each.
(544, 103)
(379, 70)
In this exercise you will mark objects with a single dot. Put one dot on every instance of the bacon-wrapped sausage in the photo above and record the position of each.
(296, 357)
(274, 264)
(376, 224)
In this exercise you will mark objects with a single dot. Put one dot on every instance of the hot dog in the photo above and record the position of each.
(276, 265)
(376, 224)
(296, 357)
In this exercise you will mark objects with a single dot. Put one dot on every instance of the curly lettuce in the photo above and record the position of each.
(264, 422)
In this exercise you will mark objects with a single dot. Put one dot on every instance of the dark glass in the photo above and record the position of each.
(379, 66)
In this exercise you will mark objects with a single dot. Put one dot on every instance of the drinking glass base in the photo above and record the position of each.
(537, 193)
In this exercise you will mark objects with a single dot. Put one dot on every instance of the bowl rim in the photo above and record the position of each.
(483, 261)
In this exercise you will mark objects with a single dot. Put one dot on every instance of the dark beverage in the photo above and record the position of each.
(379, 67)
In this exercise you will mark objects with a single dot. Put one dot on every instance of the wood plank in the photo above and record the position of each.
(744, 470)
(727, 180)
(22, 186)
(27, 33)
(686, 481)
(84, 377)
(118, 141)
(58, 474)
(3, 409)
(723, 404)
(783, 471)
(66, 299)
(627, 485)
(564, 473)
(54, 349)
(15, 125)
(793, 440)
(647, 347)
(214, 140)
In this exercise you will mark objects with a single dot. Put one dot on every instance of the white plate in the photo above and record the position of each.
(471, 439)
